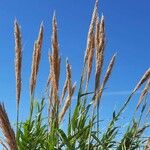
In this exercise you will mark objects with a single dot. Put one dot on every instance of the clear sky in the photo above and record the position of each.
(128, 34)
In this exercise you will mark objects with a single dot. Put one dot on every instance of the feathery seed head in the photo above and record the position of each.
(109, 69)
(100, 45)
(18, 60)
(90, 58)
(55, 52)
(143, 93)
(98, 93)
(68, 77)
(145, 77)
(36, 59)
(67, 103)
(7, 129)
(91, 32)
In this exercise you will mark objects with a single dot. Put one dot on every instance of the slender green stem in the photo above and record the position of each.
(31, 106)
(98, 119)
(124, 106)
(17, 120)
(143, 108)
(81, 83)
(91, 125)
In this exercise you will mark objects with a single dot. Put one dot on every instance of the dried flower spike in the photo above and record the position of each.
(18, 60)
(68, 77)
(6, 129)
(106, 77)
(143, 93)
(36, 59)
(67, 103)
(90, 33)
(99, 44)
(143, 79)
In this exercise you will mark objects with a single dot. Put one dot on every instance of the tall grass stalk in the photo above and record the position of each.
(73, 126)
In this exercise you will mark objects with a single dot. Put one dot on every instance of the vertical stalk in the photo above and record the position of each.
(98, 119)
(17, 120)
(31, 105)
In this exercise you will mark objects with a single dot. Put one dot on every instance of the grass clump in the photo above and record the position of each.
(82, 127)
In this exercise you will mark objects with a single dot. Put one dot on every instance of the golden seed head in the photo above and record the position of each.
(36, 59)
(7, 129)
(18, 60)
(90, 33)
(67, 81)
(55, 61)
(73, 89)
(109, 69)
(100, 45)
(55, 56)
(67, 87)
(145, 77)
(67, 103)
(98, 93)
(143, 93)
(90, 58)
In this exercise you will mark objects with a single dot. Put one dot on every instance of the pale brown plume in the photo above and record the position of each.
(106, 77)
(90, 33)
(143, 93)
(99, 44)
(50, 74)
(90, 58)
(55, 63)
(55, 57)
(36, 59)
(7, 129)
(145, 77)
(55, 71)
(70, 89)
(18, 60)
(67, 103)
(68, 77)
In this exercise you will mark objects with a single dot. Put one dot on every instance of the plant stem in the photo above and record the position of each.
(17, 120)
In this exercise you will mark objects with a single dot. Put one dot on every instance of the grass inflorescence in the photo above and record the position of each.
(83, 130)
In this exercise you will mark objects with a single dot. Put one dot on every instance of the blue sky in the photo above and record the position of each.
(127, 30)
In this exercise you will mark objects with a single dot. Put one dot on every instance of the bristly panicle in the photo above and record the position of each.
(54, 73)
(90, 58)
(55, 60)
(106, 77)
(91, 32)
(7, 129)
(70, 90)
(36, 59)
(68, 76)
(49, 76)
(55, 55)
(18, 60)
(145, 77)
(69, 84)
(55, 63)
(143, 93)
(99, 45)
(89, 53)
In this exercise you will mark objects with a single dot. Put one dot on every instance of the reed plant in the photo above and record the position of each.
(40, 132)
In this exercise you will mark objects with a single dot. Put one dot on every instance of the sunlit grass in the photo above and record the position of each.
(81, 129)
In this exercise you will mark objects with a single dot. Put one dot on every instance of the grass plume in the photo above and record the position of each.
(36, 60)
(73, 122)
(18, 60)
(7, 129)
